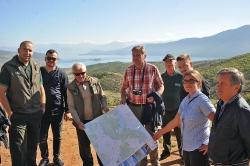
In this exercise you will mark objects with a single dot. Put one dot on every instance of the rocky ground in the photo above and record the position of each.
(70, 154)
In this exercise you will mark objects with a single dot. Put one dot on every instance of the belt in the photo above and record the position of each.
(136, 105)
(246, 161)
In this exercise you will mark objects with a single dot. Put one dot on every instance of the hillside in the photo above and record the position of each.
(111, 81)
(240, 62)
(7, 55)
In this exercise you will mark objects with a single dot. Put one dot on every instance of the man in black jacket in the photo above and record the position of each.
(184, 64)
(54, 82)
(229, 142)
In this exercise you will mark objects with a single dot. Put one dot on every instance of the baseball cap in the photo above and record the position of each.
(168, 56)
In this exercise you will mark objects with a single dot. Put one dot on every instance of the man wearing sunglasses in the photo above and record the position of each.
(54, 81)
(86, 101)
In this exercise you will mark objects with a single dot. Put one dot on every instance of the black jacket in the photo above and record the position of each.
(153, 112)
(229, 140)
(4, 122)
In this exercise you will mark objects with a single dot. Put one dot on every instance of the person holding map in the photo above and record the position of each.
(86, 101)
(140, 79)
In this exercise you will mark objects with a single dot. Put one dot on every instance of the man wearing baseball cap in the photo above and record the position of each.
(171, 97)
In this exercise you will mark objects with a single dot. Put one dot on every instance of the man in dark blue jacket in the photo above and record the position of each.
(54, 82)
(229, 142)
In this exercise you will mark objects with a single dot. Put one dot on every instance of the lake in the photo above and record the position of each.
(95, 59)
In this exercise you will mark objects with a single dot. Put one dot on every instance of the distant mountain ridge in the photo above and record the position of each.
(219, 46)
(8, 55)
(222, 45)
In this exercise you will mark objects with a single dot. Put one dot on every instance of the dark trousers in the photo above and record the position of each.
(195, 158)
(24, 136)
(85, 149)
(169, 115)
(55, 120)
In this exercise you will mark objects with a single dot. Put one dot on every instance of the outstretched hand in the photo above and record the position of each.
(157, 135)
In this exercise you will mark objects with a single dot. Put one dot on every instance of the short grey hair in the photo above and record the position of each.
(236, 77)
(139, 48)
(78, 66)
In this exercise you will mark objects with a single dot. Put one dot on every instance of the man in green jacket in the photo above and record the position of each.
(86, 101)
(23, 98)
(171, 97)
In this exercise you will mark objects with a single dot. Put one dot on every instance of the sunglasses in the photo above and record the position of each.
(190, 81)
(78, 74)
(50, 58)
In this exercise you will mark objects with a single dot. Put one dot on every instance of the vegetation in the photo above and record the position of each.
(240, 62)
(111, 74)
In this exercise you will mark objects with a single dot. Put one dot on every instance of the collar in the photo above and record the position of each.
(20, 62)
(143, 66)
(231, 100)
(197, 93)
(174, 73)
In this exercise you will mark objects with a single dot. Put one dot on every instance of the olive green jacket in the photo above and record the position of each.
(23, 95)
(99, 100)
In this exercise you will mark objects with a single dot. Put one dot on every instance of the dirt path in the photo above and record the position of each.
(70, 153)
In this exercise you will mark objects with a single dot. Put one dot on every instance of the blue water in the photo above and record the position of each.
(95, 59)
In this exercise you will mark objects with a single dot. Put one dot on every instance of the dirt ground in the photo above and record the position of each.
(70, 153)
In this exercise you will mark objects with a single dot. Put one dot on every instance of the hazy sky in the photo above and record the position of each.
(102, 21)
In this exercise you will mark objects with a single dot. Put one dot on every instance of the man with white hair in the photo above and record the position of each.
(86, 101)
(229, 142)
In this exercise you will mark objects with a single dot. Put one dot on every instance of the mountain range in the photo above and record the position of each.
(222, 45)
(219, 46)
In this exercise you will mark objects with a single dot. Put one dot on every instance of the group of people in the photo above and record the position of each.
(189, 111)
(36, 98)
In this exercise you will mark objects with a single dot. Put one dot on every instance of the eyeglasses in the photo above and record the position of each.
(190, 81)
(50, 58)
(78, 74)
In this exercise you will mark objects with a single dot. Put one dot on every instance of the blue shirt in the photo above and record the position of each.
(195, 125)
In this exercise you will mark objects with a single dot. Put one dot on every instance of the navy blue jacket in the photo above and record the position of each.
(55, 86)
(4, 122)
(153, 112)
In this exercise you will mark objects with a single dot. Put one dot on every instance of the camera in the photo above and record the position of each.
(137, 92)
